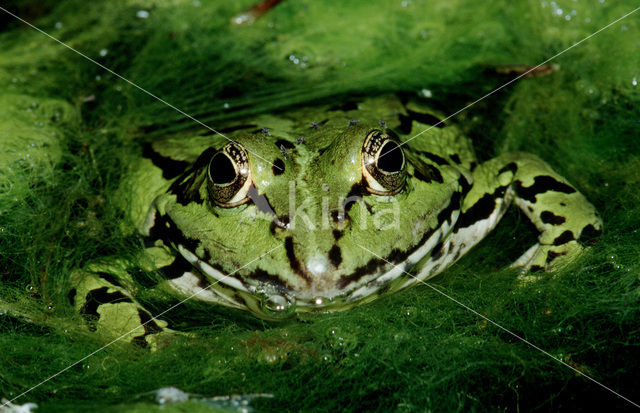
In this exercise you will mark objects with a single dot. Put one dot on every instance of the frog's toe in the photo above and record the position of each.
(546, 258)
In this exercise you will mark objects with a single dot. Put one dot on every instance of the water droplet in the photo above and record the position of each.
(426, 93)
(50, 307)
(58, 25)
(277, 305)
(318, 301)
(142, 14)
(196, 3)
(103, 52)
(225, 105)
(634, 81)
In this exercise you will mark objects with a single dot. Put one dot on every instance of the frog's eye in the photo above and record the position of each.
(229, 176)
(383, 164)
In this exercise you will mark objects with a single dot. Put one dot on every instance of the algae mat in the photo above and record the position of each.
(69, 129)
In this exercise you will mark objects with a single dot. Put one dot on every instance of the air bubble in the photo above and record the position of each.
(278, 306)
(142, 14)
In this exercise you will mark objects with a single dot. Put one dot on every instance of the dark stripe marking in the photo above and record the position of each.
(428, 173)
(109, 278)
(335, 256)
(511, 166)
(176, 269)
(433, 157)
(479, 211)
(540, 185)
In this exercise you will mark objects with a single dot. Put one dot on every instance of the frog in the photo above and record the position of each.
(320, 209)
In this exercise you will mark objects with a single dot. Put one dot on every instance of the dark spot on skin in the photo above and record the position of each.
(589, 234)
(337, 234)
(203, 283)
(457, 255)
(167, 231)
(540, 185)
(563, 204)
(482, 209)
(176, 269)
(335, 256)
(97, 297)
(563, 238)
(281, 142)
(278, 167)
(109, 278)
(437, 251)
(396, 256)
(551, 255)
(536, 268)
(455, 158)
(171, 168)
(549, 217)
(72, 296)
(150, 326)
(511, 166)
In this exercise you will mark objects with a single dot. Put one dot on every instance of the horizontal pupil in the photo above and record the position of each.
(221, 169)
(391, 158)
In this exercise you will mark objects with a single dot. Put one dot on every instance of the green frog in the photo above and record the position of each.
(321, 209)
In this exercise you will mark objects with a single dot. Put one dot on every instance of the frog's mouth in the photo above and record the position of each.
(266, 294)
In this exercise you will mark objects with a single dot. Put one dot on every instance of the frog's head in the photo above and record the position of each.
(325, 222)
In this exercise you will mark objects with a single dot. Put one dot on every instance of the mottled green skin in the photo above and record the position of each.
(320, 260)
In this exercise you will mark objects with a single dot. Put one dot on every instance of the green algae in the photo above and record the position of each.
(416, 350)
